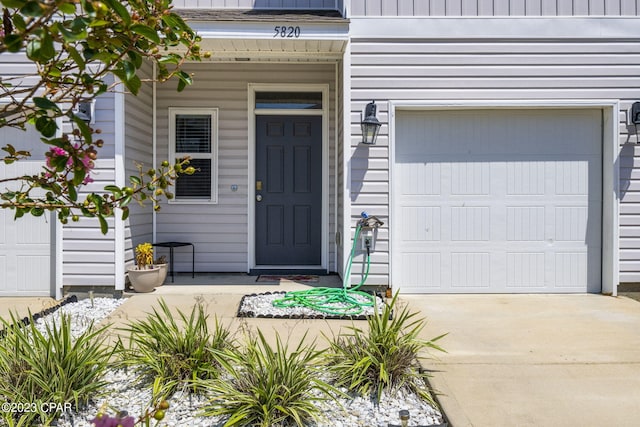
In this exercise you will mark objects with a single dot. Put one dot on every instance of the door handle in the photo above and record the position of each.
(259, 197)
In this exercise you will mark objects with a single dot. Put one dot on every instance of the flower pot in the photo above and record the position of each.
(164, 269)
(145, 280)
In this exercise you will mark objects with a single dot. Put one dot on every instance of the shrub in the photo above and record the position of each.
(385, 357)
(50, 367)
(265, 386)
(176, 354)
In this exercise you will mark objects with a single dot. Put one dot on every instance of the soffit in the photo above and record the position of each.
(258, 35)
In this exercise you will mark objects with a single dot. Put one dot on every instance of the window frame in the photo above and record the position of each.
(213, 156)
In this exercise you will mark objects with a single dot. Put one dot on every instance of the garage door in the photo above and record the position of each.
(504, 201)
(25, 251)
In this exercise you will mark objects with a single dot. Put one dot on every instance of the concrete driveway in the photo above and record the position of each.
(528, 360)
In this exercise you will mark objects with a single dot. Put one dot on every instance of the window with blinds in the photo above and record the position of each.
(193, 133)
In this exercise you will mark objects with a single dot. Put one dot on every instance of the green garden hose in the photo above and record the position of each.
(345, 301)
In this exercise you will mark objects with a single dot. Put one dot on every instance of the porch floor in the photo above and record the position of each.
(243, 279)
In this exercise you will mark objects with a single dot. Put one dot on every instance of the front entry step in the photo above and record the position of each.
(285, 272)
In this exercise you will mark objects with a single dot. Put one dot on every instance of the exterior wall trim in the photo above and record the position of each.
(345, 239)
(610, 170)
(502, 28)
(119, 238)
(251, 173)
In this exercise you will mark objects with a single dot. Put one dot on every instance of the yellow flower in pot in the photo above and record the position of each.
(145, 277)
(144, 256)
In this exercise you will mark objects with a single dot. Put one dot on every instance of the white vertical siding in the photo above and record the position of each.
(138, 149)
(494, 8)
(219, 231)
(255, 4)
(491, 70)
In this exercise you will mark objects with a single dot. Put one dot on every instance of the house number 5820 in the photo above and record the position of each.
(286, 32)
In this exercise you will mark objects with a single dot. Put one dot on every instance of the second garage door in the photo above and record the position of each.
(504, 201)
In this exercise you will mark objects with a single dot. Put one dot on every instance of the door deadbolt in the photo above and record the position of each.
(258, 185)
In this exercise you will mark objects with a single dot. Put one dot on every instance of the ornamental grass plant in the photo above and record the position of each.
(46, 372)
(384, 357)
(177, 353)
(269, 386)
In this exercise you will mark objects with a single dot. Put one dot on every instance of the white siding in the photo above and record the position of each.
(256, 4)
(138, 149)
(494, 8)
(17, 70)
(219, 232)
(88, 255)
(491, 70)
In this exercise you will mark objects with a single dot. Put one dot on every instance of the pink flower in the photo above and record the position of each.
(58, 152)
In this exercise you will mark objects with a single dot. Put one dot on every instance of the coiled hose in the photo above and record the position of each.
(345, 301)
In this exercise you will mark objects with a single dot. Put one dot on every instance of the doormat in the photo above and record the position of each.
(303, 278)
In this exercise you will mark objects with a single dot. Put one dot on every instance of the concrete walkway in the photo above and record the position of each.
(513, 360)
(525, 360)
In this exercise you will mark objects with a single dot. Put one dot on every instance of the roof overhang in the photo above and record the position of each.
(232, 34)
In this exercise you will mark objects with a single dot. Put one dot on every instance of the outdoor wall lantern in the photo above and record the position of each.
(635, 113)
(370, 125)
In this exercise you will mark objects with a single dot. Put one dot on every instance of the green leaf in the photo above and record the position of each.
(46, 126)
(47, 50)
(77, 58)
(129, 70)
(32, 8)
(134, 84)
(125, 201)
(136, 58)
(185, 79)
(98, 23)
(104, 227)
(136, 180)
(13, 4)
(78, 176)
(36, 211)
(84, 129)
(125, 214)
(145, 31)
(120, 10)
(45, 104)
(72, 36)
(67, 8)
(113, 188)
(73, 194)
(13, 42)
(18, 20)
(171, 20)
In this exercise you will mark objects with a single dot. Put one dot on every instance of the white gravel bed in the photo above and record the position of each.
(124, 392)
(82, 313)
(261, 305)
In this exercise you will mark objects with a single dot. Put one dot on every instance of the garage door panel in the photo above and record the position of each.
(517, 210)
(526, 270)
(25, 251)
